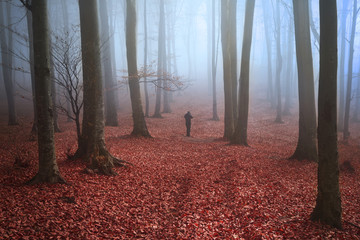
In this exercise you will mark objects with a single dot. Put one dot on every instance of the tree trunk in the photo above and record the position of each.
(240, 134)
(48, 170)
(54, 95)
(160, 70)
(267, 19)
(289, 67)
(145, 62)
(110, 100)
(225, 40)
(306, 146)
(213, 64)
(328, 202)
(343, 40)
(278, 63)
(6, 56)
(233, 57)
(92, 141)
(139, 128)
(346, 131)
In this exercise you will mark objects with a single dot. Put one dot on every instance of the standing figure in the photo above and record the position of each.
(188, 118)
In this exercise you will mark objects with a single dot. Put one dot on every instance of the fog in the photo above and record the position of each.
(188, 44)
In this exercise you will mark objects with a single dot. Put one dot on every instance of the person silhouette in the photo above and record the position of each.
(188, 118)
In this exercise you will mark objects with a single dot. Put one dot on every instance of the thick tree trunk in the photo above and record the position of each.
(215, 116)
(6, 57)
(92, 145)
(48, 169)
(225, 40)
(139, 128)
(278, 64)
(306, 146)
(240, 134)
(328, 202)
(110, 100)
(346, 131)
(54, 96)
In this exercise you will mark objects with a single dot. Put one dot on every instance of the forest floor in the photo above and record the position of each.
(179, 187)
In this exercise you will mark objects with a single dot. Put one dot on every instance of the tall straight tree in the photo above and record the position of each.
(278, 62)
(213, 63)
(92, 140)
(161, 53)
(233, 57)
(146, 62)
(328, 202)
(225, 41)
(267, 19)
(240, 134)
(346, 132)
(48, 169)
(306, 146)
(7, 59)
(341, 113)
(139, 128)
(110, 100)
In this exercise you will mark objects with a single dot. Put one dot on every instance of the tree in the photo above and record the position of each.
(346, 132)
(161, 58)
(7, 59)
(278, 62)
(267, 18)
(213, 64)
(48, 169)
(145, 62)
(139, 128)
(233, 57)
(328, 201)
(225, 41)
(306, 145)
(240, 134)
(110, 100)
(92, 145)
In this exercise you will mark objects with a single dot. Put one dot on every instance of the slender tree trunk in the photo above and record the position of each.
(110, 100)
(346, 131)
(225, 40)
(328, 202)
(240, 134)
(213, 64)
(167, 67)
(54, 96)
(267, 19)
(32, 70)
(306, 146)
(139, 128)
(6, 57)
(343, 40)
(278, 64)
(160, 71)
(92, 145)
(145, 62)
(48, 169)
(289, 68)
(233, 57)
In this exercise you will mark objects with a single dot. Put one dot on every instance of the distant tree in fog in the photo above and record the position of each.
(110, 85)
(214, 58)
(278, 62)
(233, 57)
(228, 84)
(48, 169)
(306, 145)
(328, 202)
(146, 62)
(348, 97)
(240, 134)
(139, 124)
(6, 40)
